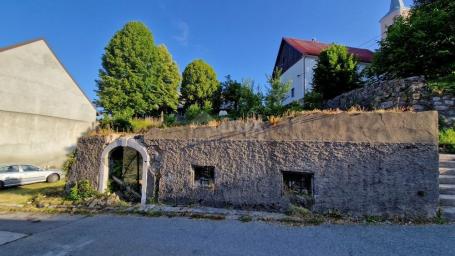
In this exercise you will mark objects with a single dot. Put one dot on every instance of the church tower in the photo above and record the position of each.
(397, 8)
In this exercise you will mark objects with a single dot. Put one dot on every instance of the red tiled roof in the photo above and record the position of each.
(315, 48)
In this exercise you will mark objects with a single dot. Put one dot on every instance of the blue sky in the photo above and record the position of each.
(237, 37)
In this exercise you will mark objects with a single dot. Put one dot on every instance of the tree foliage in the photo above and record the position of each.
(336, 72)
(422, 44)
(239, 99)
(199, 85)
(168, 80)
(137, 78)
(276, 94)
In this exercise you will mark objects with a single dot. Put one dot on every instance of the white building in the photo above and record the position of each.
(297, 59)
(397, 8)
(42, 109)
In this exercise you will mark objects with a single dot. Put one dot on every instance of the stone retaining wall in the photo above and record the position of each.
(359, 163)
(405, 93)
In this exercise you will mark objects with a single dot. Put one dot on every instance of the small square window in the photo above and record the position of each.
(298, 183)
(204, 176)
(292, 92)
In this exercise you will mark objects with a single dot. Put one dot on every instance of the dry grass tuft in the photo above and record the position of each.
(144, 124)
(274, 120)
(214, 123)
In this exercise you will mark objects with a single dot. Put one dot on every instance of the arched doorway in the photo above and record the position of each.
(125, 172)
(124, 166)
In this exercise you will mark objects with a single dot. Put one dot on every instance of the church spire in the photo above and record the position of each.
(397, 8)
(396, 5)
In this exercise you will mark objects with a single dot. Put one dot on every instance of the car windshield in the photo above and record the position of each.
(9, 168)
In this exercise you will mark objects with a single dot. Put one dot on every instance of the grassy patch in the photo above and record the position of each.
(245, 218)
(143, 124)
(297, 211)
(26, 193)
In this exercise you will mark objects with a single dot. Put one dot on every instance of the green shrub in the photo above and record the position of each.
(119, 122)
(70, 160)
(202, 118)
(312, 100)
(192, 111)
(443, 85)
(245, 218)
(298, 211)
(294, 106)
(81, 191)
(447, 140)
(73, 195)
(194, 114)
(170, 120)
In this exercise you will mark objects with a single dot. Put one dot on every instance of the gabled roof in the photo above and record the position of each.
(314, 48)
(56, 57)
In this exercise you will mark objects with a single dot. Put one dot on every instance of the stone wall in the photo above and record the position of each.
(88, 159)
(361, 163)
(353, 178)
(405, 93)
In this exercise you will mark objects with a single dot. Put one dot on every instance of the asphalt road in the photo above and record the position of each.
(128, 235)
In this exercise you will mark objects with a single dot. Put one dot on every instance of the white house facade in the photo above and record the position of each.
(297, 59)
(42, 109)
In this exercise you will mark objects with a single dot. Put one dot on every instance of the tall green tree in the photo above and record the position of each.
(276, 94)
(137, 78)
(168, 80)
(336, 72)
(199, 84)
(421, 44)
(239, 98)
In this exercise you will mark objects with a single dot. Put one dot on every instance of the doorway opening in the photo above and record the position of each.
(125, 173)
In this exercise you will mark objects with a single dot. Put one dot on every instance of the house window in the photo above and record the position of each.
(204, 176)
(298, 183)
(292, 92)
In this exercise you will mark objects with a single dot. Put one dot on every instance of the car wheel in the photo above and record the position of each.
(53, 178)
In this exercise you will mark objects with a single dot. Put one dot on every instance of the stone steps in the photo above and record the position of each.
(447, 171)
(446, 157)
(447, 186)
(447, 189)
(447, 200)
(448, 213)
(446, 164)
(447, 179)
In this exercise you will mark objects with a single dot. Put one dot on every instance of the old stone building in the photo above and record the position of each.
(374, 163)
(42, 109)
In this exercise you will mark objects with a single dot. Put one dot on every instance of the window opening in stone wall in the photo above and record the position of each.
(204, 176)
(298, 186)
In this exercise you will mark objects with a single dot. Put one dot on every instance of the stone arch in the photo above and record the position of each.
(104, 167)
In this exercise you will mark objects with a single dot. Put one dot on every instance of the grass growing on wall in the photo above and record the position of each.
(143, 124)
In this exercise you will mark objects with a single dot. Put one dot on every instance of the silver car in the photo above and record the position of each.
(14, 175)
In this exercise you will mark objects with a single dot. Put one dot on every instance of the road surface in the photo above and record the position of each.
(131, 235)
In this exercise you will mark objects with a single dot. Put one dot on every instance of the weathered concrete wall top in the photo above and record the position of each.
(380, 127)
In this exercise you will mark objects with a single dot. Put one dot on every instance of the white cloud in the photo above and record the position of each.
(183, 36)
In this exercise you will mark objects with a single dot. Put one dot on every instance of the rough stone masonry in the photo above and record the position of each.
(367, 163)
(412, 92)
